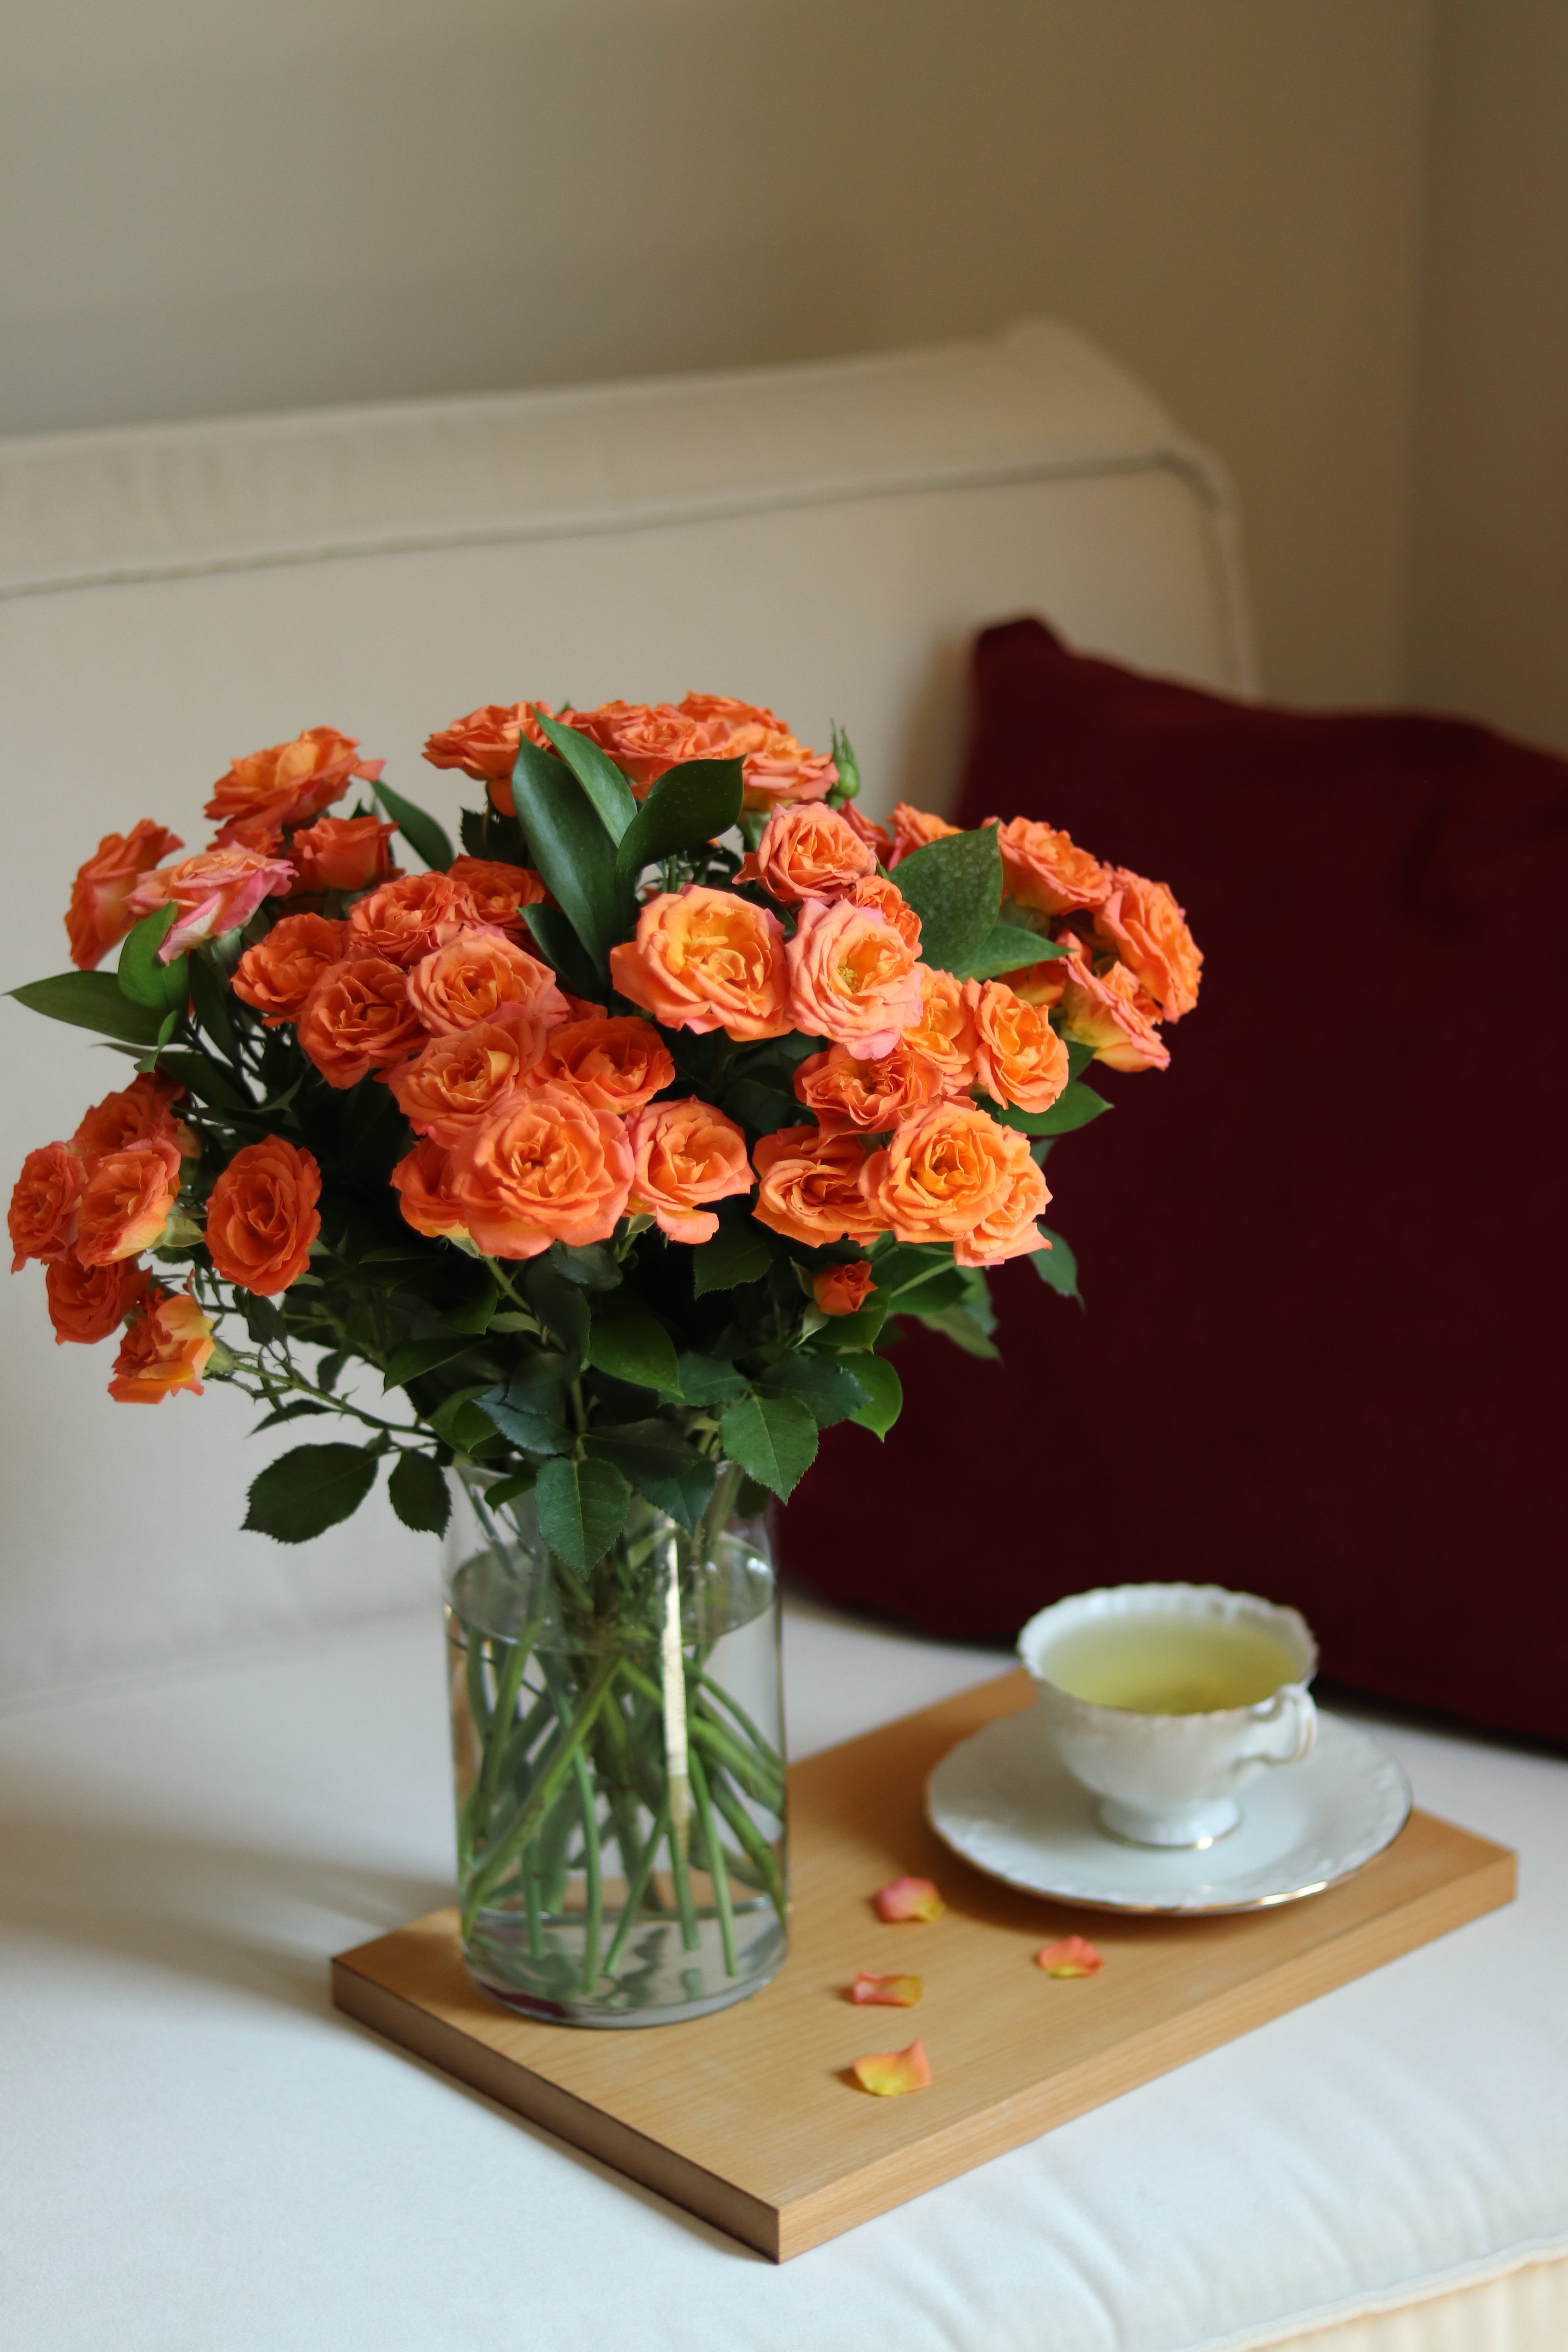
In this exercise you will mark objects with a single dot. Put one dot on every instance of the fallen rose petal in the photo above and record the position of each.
(872, 1992)
(909, 1898)
(1072, 1958)
(890, 2073)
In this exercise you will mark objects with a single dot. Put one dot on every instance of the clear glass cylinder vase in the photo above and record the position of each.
(617, 1738)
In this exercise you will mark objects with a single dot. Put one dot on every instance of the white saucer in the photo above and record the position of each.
(1003, 1801)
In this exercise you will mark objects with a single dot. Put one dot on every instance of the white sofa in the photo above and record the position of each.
(220, 1760)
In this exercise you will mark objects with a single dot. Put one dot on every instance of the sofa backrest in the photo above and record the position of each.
(823, 538)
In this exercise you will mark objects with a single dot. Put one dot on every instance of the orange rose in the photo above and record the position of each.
(775, 767)
(423, 1181)
(484, 745)
(546, 1168)
(88, 1302)
(643, 741)
(166, 1348)
(277, 974)
(1149, 931)
(944, 1034)
(844, 1091)
(852, 978)
(261, 1215)
(474, 976)
(289, 783)
(43, 1213)
(140, 1113)
(1109, 1012)
(1010, 1230)
(216, 892)
(843, 1289)
(253, 832)
(343, 853)
(408, 919)
(875, 892)
(582, 1009)
(129, 1200)
(811, 852)
(461, 1079)
(357, 1018)
(499, 892)
(685, 1153)
(1041, 983)
(810, 1190)
(614, 1065)
(875, 836)
(707, 959)
(912, 828)
(1041, 869)
(1019, 1058)
(947, 1171)
(98, 914)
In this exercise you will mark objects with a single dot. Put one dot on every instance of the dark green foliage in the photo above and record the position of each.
(424, 838)
(582, 1509)
(419, 1493)
(954, 885)
(1056, 1267)
(773, 1439)
(91, 1000)
(304, 1493)
(689, 806)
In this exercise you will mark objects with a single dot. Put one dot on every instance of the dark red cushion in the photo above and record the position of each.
(1323, 1255)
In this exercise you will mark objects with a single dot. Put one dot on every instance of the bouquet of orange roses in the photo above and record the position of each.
(615, 1146)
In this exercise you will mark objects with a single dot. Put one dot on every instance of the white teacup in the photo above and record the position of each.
(1162, 1699)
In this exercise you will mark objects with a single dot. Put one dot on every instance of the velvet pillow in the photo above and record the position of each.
(1322, 1256)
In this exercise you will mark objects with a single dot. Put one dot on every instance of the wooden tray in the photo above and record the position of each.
(750, 2117)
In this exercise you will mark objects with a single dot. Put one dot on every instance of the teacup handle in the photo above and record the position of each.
(1286, 1727)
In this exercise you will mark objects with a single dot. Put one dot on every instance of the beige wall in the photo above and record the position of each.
(208, 207)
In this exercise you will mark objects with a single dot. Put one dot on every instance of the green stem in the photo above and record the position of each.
(545, 1790)
(715, 1863)
(766, 1750)
(531, 1908)
(595, 1900)
(754, 1843)
(636, 1887)
(684, 1904)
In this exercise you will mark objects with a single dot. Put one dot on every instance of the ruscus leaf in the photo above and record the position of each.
(160, 988)
(1007, 948)
(572, 850)
(954, 885)
(1073, 1107)
(885, 1394)
(597, 773)
(90, 1000)
(690, 805)
(424, 838)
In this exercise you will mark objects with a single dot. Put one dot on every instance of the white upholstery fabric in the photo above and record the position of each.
(824, 539)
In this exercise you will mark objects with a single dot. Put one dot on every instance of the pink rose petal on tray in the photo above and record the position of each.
(909, 1898)
(892, 2073)
(874, 1991)
(1073, 1956)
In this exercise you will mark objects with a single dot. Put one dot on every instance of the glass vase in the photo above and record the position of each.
(617, 1739)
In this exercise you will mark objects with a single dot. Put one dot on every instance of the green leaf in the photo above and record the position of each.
(632, 1345)
(309, 1490)
(736, 1255)
(528, 1423)
(582, 1509)
(424, 838)
(642, 1450)
(264, 1321)
(560, 1306)
(773, 1439)
(90, 1000)
(561, 948)
(416, 1357)
(204, 1079)
(572, 850)
(1074, 1107)
(1006, 948)
(1080, 1057)
(831, 1392)
(885, 1395)
(161, 987)
(592, 1265)
(690, 805)
(449, 1423)
(286, 1412)
(507, 1490)
(475, 1316)
(706, 1380)
(957, 1324)
(761, 1108)
(419, 1494)
(684, 1498)
(854, 1332)
(954, 885)
(597, 773)
(1056, 1267)
(943, 1286)
(210, 1000)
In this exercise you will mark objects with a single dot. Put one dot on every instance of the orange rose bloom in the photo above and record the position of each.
(279, 972)
(474, 976)
(343, 853)
(944, 1034)
(843, 1289)
(98, 914)
(261, 1215)
(706, 960)
(948, 1170)
(461, 1079)
(1009, 1231)
(1019, 1058)
(614, 1065)
(289, 783)
(912, 828)
(811, 852)
(423, 1181)
(775, 767)
(43, 1213)
(1149, 931)
(811, 1190)
(875, 836)
(166, 1348)
(88, 1302)
(408, 919)
(357, 1018)
(138, 1114)
(484, 745)
(129, 1199)
(643, 739)
(1041, 869)
(684, 1153)
(880, 897)
(844, 1091)
(499, 892)
(1041, 983)
(852, 977)
(1110, 1012)
(546, 1168)
(216, 892)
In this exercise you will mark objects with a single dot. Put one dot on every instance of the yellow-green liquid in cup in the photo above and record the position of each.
(1169, 1665)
